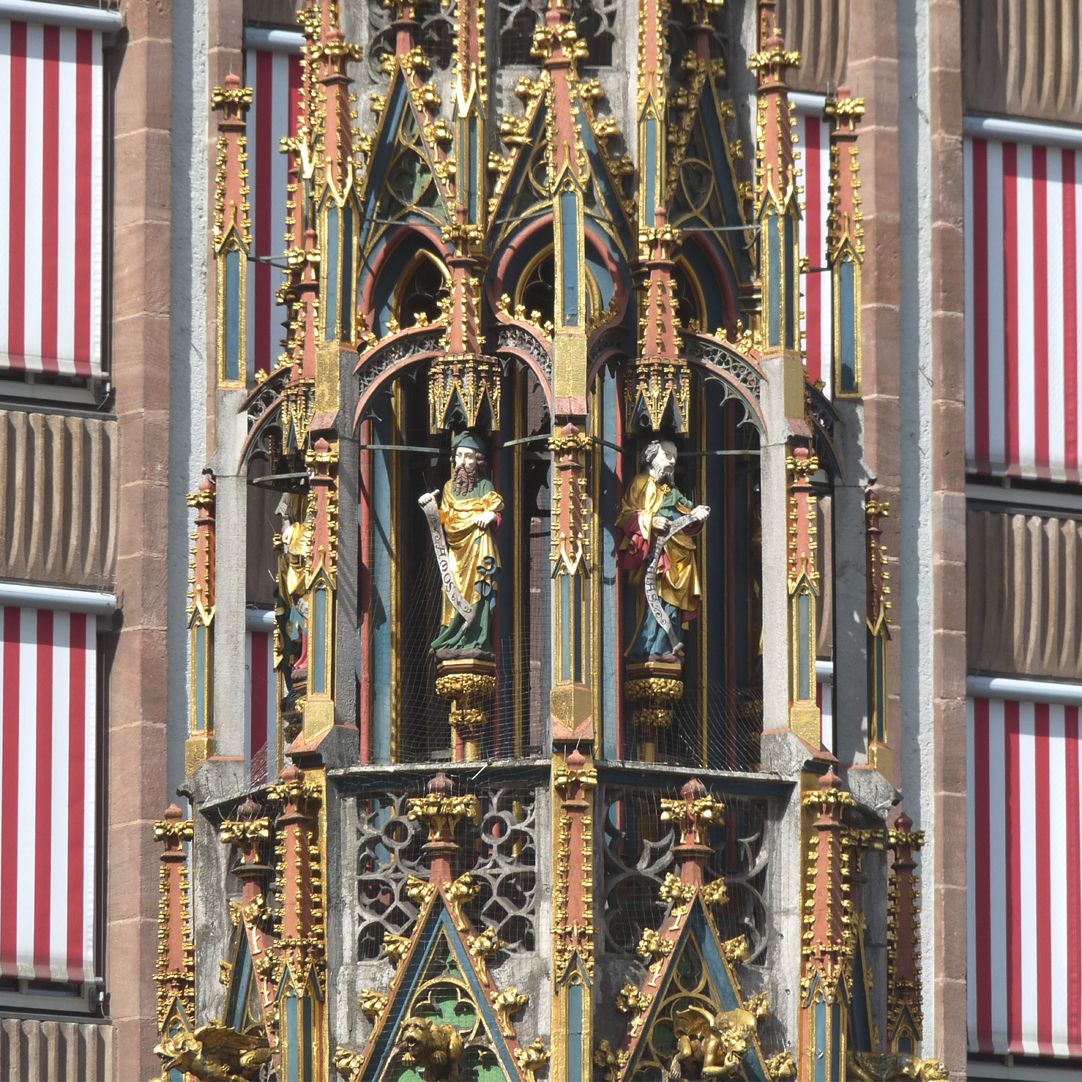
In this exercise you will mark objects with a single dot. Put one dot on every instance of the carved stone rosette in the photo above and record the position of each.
(468, 685)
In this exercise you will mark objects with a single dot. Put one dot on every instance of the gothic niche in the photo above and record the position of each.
(476, 505)
(692, 496)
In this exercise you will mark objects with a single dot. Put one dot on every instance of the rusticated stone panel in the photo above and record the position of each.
(271, 13)
(36, 1051)
(819, 30)
(1024, 611)
(1023, 58)
(57, 512)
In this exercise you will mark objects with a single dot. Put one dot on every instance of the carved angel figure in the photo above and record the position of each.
(654, 514)
(462, 526)
(433, 1048)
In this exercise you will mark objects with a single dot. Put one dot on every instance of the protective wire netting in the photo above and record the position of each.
(406, 597)
(635, 848)
(593, 19)
(498, 848)
(639, 850)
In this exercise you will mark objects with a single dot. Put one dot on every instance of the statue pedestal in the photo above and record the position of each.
(652, 688)
(468, 684)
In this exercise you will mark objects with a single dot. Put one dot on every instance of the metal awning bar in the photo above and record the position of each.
(82, 18)
(27, 596)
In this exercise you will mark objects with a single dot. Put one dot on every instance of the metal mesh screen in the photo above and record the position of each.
(639, 853)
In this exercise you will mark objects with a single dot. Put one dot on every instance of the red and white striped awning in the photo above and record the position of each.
(48, 793)
(51, 136)
(813, 142)
(275, 79)
(1025, 879)
(1023, 251)
(262, 700)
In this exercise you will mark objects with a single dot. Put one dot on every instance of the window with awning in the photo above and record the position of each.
(1023, 250)
(1025, 878)
(51, 194)
(48, 794)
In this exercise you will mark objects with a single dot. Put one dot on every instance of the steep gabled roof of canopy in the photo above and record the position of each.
(693, 974)
(438, 978)
(403, 182)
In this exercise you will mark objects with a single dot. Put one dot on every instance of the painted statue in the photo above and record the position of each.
(461, 527)
(290, 605)
(659, 525)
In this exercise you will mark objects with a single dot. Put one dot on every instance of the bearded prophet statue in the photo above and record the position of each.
(658, 550)
(461, 526)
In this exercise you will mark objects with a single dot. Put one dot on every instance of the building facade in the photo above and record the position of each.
(574, 507)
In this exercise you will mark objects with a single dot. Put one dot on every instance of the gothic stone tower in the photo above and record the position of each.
(544, 788)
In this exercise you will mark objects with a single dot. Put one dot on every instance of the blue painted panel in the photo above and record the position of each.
(308, 1035)
(650, 166)
(836, 1043)
(331, 257)
(201, 668)
(773, 242)
(819, 1058)
(232, 315)
(319, 642)
(847, 374)
(565, 634)
(291, 1060)
(574, 1032)
(345, 330)
(474, 173)
(569, 241)
(804, 663)
(242, 976)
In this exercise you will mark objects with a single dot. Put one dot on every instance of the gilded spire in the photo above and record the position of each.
(775, 177)
(845, 242)
(232, 229)
(659, 393)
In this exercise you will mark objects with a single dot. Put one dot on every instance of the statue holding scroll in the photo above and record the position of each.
(461, 526)
(659, 525)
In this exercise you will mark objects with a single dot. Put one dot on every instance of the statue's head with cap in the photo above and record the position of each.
(467, 461)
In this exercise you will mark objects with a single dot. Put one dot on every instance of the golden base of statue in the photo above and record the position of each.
(652, 687)
(469, 685)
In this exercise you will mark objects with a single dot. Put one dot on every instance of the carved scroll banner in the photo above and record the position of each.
(653, 602)
(443, 561)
